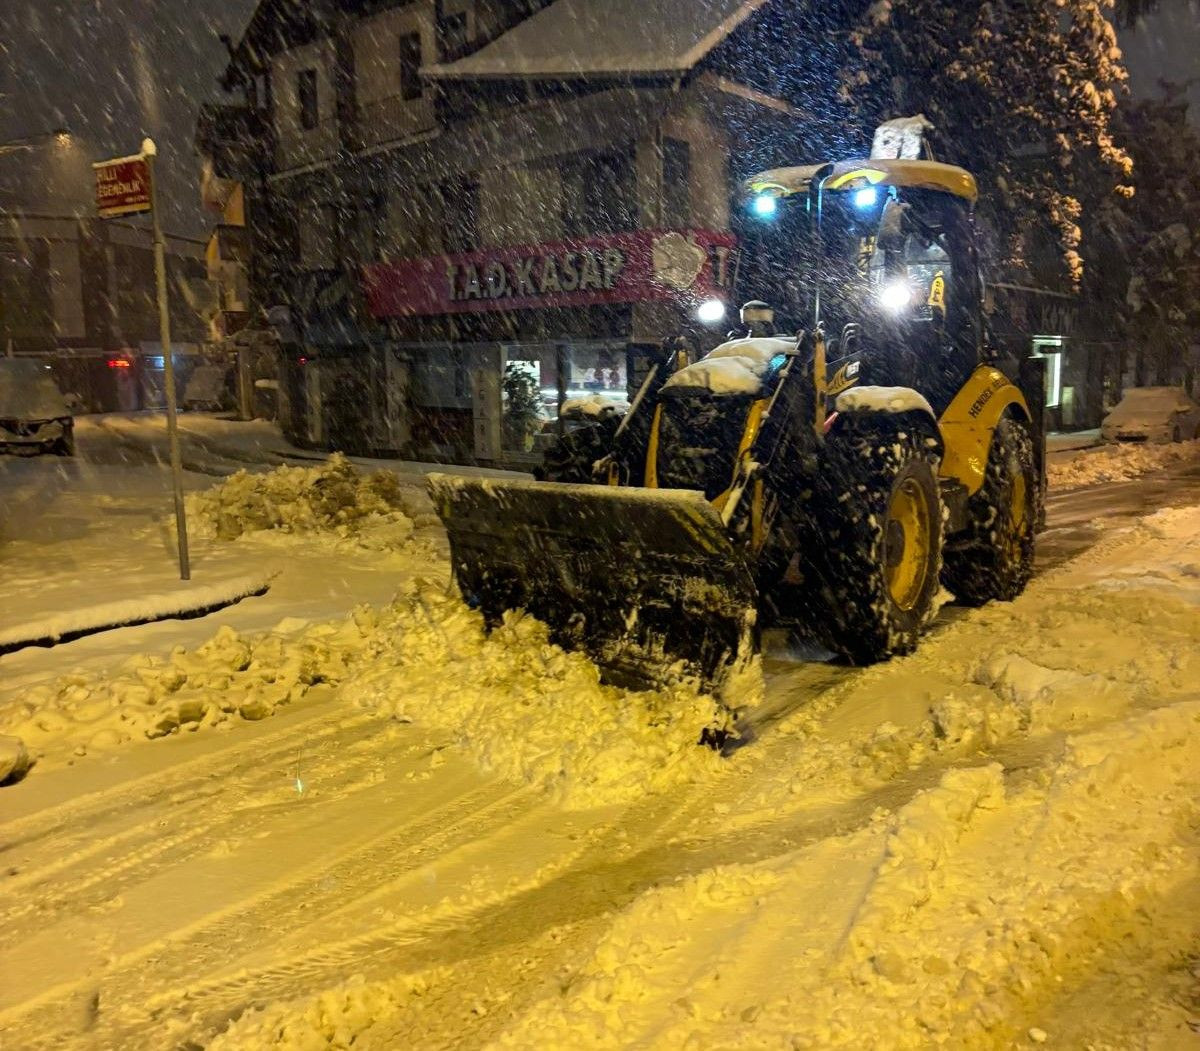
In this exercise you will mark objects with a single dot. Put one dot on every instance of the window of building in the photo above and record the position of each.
(460, 204)
(676, 183)
(25, 301)
(454, 36)
(318, 237)
(410, 65)
(597, 193)
(607, 193)
(306, 96)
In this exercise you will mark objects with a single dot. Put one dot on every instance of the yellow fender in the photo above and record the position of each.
(969, 420)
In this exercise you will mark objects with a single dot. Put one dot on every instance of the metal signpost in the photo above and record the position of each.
(126, 186)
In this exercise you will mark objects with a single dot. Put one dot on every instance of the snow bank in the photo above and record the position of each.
(520, 706)
(1116, 463)
(228, 677)
(184, 600)
(334, 500)
(335, 1019)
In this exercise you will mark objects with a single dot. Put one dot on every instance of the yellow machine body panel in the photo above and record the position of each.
(753, 423)
(968, 423)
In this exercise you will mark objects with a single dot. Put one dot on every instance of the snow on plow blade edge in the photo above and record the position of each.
(645, 581)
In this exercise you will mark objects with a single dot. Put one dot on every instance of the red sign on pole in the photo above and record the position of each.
(122, 186)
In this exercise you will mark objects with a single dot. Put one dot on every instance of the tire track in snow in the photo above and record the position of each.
(142, 849)
(97, 806)
(502, 930)
(374, 954)
(51, 1020)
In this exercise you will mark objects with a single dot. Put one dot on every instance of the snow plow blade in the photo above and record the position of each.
(645, 581)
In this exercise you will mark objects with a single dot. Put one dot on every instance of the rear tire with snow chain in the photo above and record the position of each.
(992, 558)
(571, 457)
(873, 563)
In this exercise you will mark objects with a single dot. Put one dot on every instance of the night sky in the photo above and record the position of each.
(112, 71)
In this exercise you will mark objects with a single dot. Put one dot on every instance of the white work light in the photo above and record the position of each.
(895, 296)
(764, 205)
(710, 311)
(865, 197)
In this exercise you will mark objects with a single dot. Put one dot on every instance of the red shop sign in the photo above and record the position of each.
(634, 267)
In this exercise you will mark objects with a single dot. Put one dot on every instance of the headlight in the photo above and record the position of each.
(764, 205)
(895, 296)
(865, 197)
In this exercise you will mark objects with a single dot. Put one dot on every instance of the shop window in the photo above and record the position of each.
(410, 66)
(676, 183)
(585, 379)
(306, 96)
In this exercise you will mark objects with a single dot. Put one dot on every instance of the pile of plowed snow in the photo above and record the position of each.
(526, 709)
(334, 500)
(519, 705)
(1116, 463)
(227, 678)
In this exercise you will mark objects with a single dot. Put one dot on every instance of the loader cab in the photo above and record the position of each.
(881, 255)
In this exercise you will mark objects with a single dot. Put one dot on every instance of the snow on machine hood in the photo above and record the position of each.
(735, 367)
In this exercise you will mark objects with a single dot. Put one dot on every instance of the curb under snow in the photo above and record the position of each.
(182, 604)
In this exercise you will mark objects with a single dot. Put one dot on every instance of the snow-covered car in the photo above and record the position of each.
(34, 416)
(1152, 414)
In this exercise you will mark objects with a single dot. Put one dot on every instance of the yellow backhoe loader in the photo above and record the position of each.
(823, 480)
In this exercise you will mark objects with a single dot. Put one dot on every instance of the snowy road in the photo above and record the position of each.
(991, 843)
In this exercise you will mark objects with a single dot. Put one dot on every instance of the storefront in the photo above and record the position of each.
(1025, 320)
(569, 322)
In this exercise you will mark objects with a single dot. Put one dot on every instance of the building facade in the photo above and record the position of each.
(80, 293)
(443, 203)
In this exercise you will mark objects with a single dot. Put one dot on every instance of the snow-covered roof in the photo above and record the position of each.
(574, 38)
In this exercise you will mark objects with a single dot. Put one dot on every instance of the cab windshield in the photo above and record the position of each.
(865, 260)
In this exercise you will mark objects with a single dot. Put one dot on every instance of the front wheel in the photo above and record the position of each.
(873, 577)
(992, 558)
